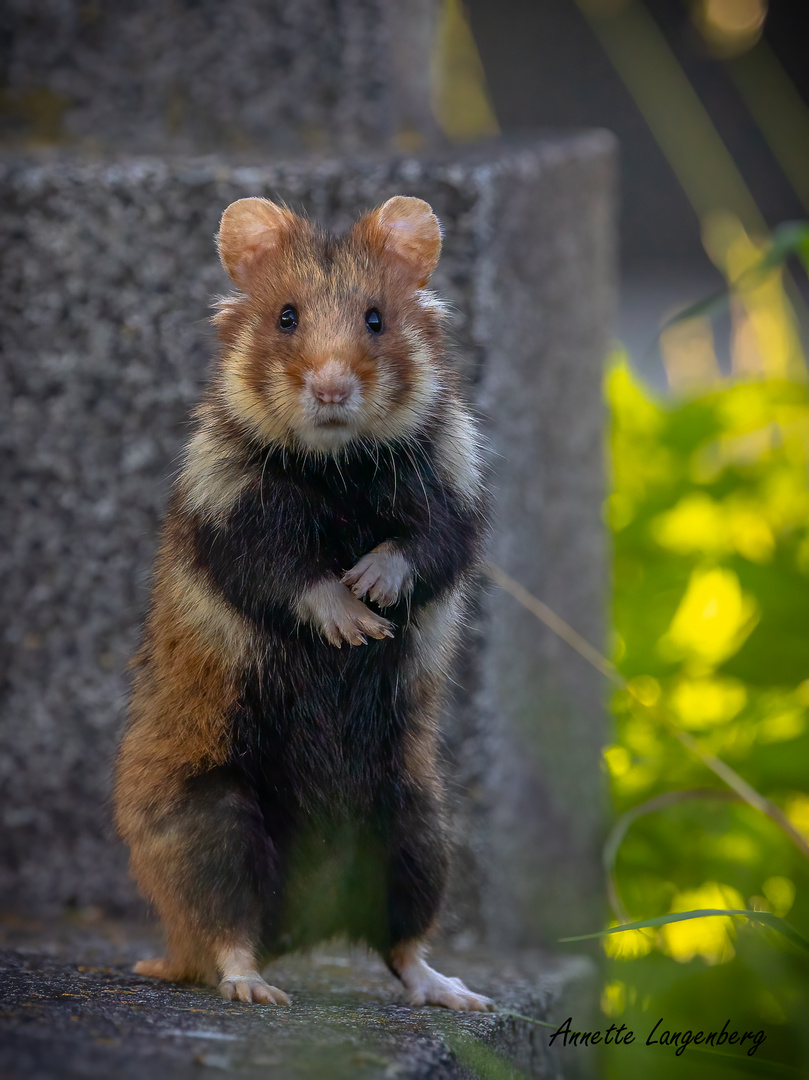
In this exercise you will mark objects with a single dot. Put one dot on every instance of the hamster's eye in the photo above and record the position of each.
(373, 320)
(288, 319)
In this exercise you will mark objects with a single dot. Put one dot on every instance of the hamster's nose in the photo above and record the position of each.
(332, 394)
(331, 385)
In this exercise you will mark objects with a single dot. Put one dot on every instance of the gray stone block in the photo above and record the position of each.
(105, 281)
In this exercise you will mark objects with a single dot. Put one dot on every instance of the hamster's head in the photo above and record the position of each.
(331, 340)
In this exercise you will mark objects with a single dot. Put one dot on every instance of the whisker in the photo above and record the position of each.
(393, 465)
(417, 471)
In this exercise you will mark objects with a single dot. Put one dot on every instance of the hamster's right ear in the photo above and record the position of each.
(249, 229)
(406, 230)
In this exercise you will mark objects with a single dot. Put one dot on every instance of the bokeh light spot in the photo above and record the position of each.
(711, 938)
(731, 27)
(713, 620)
(630, 944)
(780, 891)
(704, 703)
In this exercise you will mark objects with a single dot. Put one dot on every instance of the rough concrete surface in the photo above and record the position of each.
(107, 273)
(71, 1008)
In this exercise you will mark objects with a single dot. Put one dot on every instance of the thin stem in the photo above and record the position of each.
(583, 647)
(627, 819)
(554, 622)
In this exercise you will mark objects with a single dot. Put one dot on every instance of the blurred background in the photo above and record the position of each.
(707, 454)
(709, 510)
(708, 100)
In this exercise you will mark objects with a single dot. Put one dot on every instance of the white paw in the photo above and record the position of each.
(339, 616)
(249, 986)
(425, 986)
(384, 575)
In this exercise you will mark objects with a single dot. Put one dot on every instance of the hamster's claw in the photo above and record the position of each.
(339, 616)
(357, 627)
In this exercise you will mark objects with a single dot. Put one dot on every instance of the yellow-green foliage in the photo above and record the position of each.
(709, 514)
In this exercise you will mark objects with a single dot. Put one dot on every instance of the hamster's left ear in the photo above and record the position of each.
(250, 230)
(407, 230)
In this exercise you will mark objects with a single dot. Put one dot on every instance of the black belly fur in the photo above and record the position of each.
(345, 839)
(318, 739)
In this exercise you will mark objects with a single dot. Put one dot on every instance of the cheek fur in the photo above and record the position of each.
(411, 386)
(253, 393)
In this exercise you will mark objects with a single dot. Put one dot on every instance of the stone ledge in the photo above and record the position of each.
(70, 1007)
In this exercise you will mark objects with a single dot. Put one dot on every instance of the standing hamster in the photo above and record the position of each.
(277, 781)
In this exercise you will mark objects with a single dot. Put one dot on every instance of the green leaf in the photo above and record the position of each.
(791, 238)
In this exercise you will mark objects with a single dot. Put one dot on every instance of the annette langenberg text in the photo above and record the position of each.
(660, 1036)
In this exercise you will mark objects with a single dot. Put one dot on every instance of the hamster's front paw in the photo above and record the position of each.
(340, 616)
(384, 575)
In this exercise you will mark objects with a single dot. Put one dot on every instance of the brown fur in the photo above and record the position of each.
(185, 683)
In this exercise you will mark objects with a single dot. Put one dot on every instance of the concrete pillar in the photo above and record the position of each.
(107, 272)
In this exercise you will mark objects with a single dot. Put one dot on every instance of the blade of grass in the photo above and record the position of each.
(677, 118)
(779, 111)
(733, 780)
(741, 1062)
(528, 1019)
(791, 238)
(765, 917)
(555, 623)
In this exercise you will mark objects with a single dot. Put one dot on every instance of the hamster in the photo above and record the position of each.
(277, 781)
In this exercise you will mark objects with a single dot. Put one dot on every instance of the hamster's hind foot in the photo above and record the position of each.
(154, 969)
(424, 986)
(429, 987)
(249, 986)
